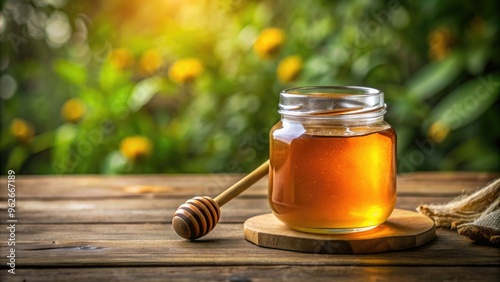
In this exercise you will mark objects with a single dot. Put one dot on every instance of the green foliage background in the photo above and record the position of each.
(220, 121)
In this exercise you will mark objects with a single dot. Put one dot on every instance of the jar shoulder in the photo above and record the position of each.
(295, 129)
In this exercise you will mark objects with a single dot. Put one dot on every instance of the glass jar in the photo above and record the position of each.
(332, 160)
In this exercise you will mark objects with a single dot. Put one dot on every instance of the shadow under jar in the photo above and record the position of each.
(332, 160)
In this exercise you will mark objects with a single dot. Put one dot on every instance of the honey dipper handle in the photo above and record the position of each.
(243, 184)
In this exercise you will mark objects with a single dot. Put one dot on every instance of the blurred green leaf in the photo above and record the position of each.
(476, 59)
(434, 77)
(17, 157)
(467, 102)
(114, 163)
(366, 63)
(66, 133)
(110, 77)
(42, 142)
(70, 71)
(481, 162)
(64, 157)
(143, 92)
(472, 154)
(93, 98)
(405, 135)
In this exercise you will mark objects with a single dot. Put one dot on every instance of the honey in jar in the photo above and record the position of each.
(332, 160)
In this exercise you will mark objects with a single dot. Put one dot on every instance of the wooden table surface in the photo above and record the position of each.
(99, 228)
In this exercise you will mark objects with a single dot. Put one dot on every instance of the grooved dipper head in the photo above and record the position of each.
(196, 217)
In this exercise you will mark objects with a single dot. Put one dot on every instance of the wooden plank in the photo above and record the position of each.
(442, 183)
(450, 176)
(147, 210)
(93, 186)
(96, 186)
(99, 245)
(258, 273)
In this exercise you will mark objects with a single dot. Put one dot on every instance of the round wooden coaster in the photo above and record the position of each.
(404, 229)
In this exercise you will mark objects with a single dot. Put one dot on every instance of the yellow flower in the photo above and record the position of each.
(150, 62)
(269, 42)
(439, 43)
(185, 70)
(121, 58)
(438, 131)
(73, 110)
(289, 68)
(22, 130)
(135, 147)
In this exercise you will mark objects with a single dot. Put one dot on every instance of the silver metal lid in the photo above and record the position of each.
(332, 102)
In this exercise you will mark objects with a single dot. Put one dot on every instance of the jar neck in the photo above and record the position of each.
(329, 121)
(337, 127)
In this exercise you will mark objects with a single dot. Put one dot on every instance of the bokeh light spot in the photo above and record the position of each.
(9, 86)
(2, 23)
(57, 29)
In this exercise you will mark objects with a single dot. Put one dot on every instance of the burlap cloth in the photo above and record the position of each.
(476, 216)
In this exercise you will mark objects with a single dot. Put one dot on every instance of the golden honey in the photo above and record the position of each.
(332, 173)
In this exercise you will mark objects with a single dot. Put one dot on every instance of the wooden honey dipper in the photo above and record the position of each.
(199, 215)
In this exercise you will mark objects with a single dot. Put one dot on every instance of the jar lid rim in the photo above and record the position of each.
(332, 101)
(356, 90)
